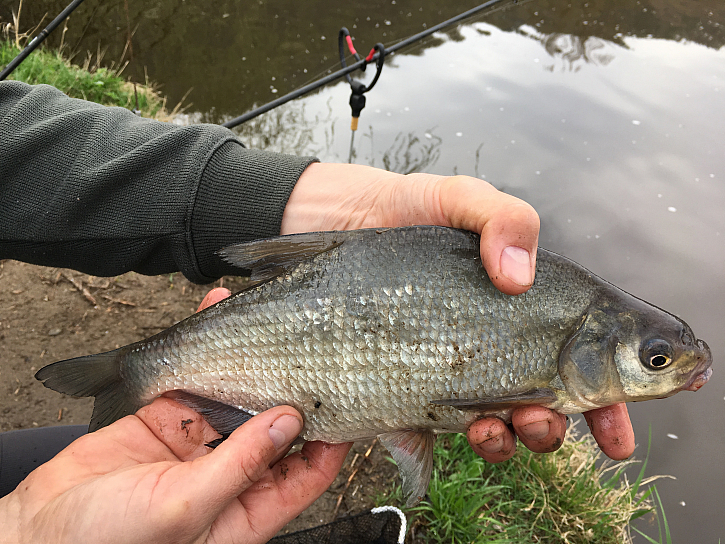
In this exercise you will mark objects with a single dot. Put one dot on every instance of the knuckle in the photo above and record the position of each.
(253, 466)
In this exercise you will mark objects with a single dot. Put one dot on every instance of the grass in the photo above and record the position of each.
(89, 80)
(564, 497)
(660, 526)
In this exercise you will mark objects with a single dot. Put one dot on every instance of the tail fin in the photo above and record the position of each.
(93, 376)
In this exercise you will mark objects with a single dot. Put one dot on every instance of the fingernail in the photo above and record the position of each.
(536, 431)
(284, 430)
(492, 445)
(516, 265)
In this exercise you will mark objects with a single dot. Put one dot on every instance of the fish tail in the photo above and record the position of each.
(96, 376)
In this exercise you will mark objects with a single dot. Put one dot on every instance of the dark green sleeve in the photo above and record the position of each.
(100, 190)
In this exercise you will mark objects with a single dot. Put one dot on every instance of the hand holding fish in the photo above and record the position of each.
(146, 479)
(134, 487)
(345, 197)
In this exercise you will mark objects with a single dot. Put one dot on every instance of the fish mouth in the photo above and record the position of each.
(703, 371)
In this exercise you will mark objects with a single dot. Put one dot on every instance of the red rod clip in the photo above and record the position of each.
(350, 46)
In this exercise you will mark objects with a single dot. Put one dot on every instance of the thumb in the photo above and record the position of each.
(211, 482)
(509, 229)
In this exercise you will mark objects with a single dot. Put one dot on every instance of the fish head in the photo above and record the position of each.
(625, 349)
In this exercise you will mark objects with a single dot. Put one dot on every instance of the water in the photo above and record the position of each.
(608, 117)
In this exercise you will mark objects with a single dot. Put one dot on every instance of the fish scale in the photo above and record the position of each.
(395, 333)
(308, 318)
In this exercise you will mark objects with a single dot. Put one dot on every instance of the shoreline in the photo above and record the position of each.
(89, 81)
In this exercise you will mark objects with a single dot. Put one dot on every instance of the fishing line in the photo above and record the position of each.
(313, 78)
(35, 42)
(136, 111)
(374, 56)
(357, 65)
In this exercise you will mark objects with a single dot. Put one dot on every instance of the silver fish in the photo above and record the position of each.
(399, 334)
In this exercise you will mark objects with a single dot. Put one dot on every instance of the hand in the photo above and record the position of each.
(343, 197)
(149, 478)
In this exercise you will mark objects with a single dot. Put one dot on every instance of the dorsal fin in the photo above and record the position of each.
(274, 256)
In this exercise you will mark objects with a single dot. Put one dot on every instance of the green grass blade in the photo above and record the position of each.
(558, 497)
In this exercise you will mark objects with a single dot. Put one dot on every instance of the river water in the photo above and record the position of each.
(607, 116)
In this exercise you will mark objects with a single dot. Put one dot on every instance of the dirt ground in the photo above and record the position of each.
(50, 314)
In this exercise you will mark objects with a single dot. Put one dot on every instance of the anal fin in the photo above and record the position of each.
(412, 451)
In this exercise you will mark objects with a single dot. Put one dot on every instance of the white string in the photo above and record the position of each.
(403, 521)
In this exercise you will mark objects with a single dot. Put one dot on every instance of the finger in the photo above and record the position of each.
(293, 485)
(178, 427)
(212, 297)
(612, 430)
(509, 229)
(541, 430)
(492, 440)
(208, 484)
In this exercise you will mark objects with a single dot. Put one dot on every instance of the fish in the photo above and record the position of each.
(398, 334)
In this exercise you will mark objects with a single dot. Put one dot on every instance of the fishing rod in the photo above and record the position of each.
(360, 64)
(35, 42)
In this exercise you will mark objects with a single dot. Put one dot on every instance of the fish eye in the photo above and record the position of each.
(656, 354)
(658, 361)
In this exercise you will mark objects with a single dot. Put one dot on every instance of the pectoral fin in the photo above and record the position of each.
(412, 451)
(222, 417)
(274, 256)
(542, 396)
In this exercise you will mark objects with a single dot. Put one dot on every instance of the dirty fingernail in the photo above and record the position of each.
(492, 445)
(516, 265)
(536, 431)
(284, 430)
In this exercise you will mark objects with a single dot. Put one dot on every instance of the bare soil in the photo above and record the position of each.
(50, 314)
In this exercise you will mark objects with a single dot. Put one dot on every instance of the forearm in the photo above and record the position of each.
(101, 190)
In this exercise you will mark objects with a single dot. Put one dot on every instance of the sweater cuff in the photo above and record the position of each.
(241, 197)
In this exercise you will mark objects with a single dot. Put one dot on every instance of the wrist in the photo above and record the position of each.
(330, 196)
